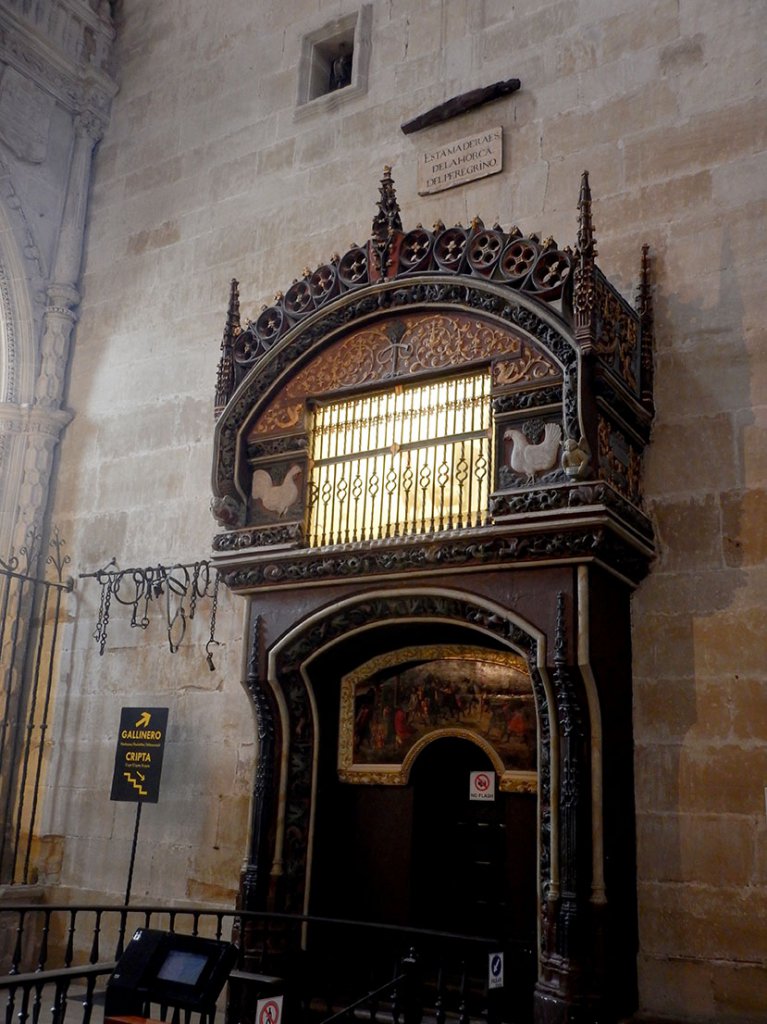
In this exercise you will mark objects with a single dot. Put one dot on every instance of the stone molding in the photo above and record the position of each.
(14, 207)
(21, 277)
(56, 55)
(8, 340)
(53, 52)
(32, 419)
(28, 438)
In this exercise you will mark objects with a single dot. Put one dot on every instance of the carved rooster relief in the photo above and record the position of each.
(528, 458)
(276, 497)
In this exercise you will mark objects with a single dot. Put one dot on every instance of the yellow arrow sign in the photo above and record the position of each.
(145, 719)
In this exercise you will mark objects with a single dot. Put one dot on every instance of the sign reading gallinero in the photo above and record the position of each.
(138, 757)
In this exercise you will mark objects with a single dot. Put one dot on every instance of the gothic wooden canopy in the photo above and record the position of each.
(570, 365)
(437, 438)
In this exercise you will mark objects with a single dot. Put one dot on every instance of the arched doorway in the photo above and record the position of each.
(354, 845)
(402, 719)
(412, 850)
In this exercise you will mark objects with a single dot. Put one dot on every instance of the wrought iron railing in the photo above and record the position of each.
(55, 962)
(30, 614)
(411, 460)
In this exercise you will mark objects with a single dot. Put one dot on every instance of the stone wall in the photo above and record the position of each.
(208, 171)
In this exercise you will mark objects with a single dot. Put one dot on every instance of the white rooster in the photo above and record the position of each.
(276, 497)
(530, 458)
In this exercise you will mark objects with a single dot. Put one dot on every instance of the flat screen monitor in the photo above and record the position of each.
(170, 969)
(182, 968)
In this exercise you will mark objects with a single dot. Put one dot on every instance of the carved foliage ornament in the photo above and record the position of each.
(402, 346)
(597, 542)
(273, 368)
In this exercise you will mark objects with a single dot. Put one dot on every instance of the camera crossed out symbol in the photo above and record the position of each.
(270, 1013)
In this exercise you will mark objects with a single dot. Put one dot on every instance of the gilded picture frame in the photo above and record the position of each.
(397, 703)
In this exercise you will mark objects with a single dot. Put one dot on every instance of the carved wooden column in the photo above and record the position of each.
(563, 991)
(254, 879)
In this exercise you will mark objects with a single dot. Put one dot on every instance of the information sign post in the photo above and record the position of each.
(138, 765)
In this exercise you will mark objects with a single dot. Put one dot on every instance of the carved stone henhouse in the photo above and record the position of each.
(433, 443)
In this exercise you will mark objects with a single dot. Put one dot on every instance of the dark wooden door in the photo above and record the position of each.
(458, 864)
(473, 866)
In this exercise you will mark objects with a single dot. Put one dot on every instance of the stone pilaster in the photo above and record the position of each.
(28, 436)
(63, 296)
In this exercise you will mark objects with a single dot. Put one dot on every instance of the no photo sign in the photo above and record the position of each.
(269, 1011)
(482, 786)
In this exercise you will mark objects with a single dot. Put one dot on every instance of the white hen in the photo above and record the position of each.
(530, 458)
(276, 497)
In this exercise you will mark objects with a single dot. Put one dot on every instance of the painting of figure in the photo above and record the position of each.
(406, 697)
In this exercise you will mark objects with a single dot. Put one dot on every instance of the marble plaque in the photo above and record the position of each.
(461, 161)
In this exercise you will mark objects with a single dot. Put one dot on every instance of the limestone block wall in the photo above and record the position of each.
(207, 171)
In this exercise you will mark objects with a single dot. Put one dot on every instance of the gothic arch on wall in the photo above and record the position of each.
(559, 543)
(56, 73)
(20, 276)
(18, 359)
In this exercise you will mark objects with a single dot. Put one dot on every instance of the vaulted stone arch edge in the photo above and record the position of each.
(279, 685)
(28, 432)
(20, 279)
(533, 319)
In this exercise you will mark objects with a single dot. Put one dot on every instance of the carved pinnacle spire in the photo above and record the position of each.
(644, 291)
(233, 313)
(584, 277)
(586, 240)
(225, 376)
(644, 305)
(387, 219)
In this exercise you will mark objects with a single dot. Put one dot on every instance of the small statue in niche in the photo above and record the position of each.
(340, 70)
(575, 458)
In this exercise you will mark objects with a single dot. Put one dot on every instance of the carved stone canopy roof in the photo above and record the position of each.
(562, 347)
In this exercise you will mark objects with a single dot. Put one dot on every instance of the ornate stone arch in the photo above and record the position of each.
(18, 278)
(18, 354)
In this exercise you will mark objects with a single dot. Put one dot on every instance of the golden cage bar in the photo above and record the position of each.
(411, 460)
